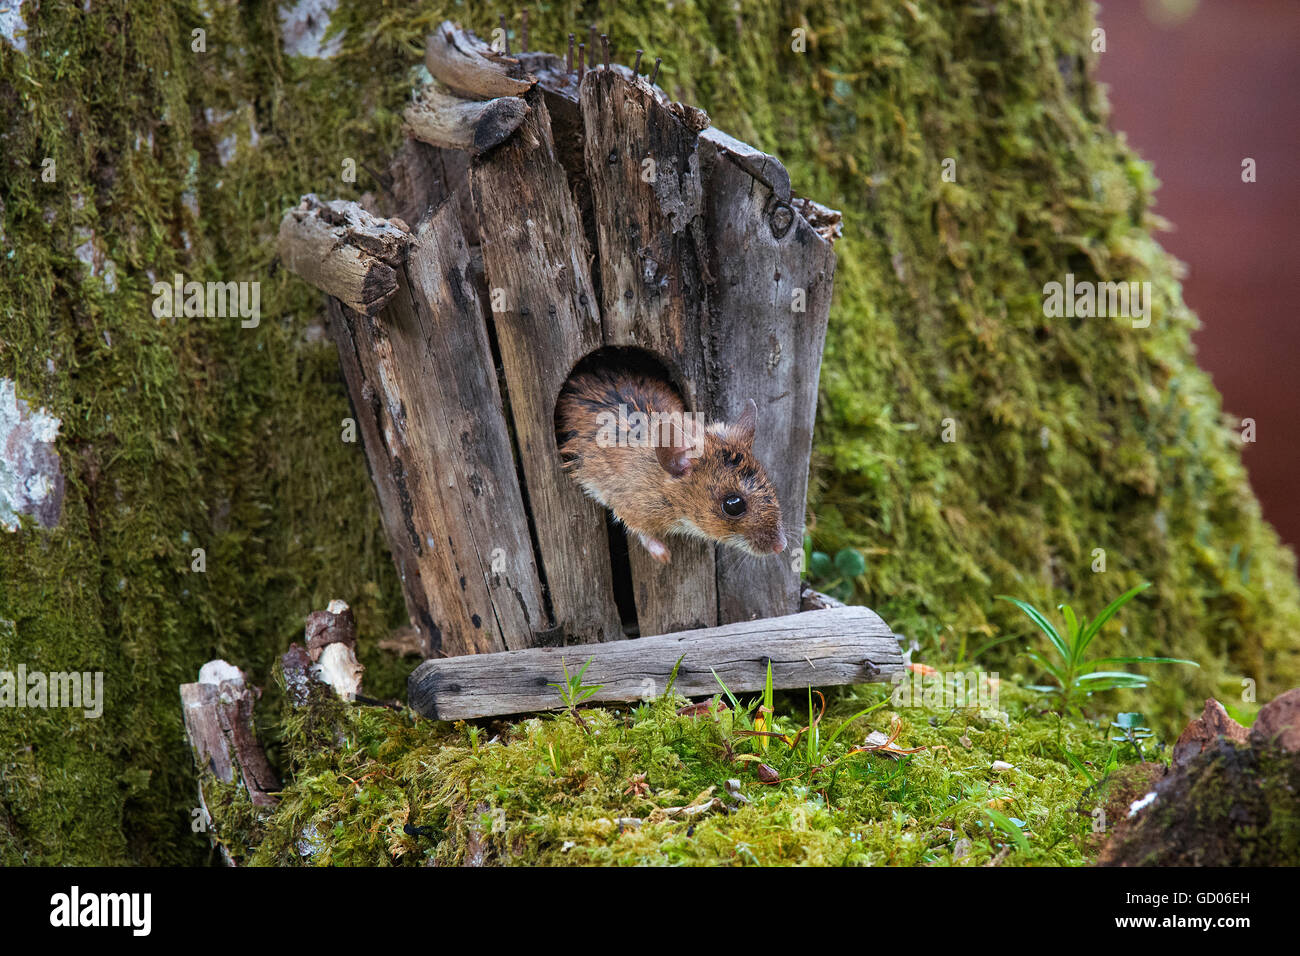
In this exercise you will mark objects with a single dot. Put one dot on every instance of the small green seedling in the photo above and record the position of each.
(817, 753)
(1011, 827)
(1077, 676)
(573, 691)
(1132, 729)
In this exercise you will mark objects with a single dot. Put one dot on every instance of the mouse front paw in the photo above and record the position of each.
(657, 549)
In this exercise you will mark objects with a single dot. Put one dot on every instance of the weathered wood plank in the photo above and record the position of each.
(450, 621)
(536, 258)
(450, 357)
(421, 378)
(368, 410)
(848, 645)
(644, 177)
(420, 178)
(769, 300)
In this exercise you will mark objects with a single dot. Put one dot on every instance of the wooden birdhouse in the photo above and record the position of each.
(540, 216)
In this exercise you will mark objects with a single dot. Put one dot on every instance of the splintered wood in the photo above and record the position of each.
(556, 216)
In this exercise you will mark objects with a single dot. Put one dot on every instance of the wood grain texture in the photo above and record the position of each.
(422, 380)
(643, 172)
(471, 452)
(849, 645)
(368, 411)
(769, 299)
(535, 254)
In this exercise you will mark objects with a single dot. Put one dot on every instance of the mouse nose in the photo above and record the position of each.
(780, 543)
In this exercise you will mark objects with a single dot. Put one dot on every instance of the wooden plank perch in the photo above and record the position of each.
(849, 645)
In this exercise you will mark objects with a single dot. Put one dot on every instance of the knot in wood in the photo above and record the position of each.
(781, 219)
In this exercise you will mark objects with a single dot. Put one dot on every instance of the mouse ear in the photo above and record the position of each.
(673, 450)
(747, 422)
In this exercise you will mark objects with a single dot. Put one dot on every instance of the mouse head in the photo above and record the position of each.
(723, 492)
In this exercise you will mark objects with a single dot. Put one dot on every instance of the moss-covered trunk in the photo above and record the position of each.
(176, 152)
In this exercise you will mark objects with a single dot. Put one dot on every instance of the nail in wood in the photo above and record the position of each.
(568, 60)
(582, 58)
(604, 45)
(636, 67)
(655, 74)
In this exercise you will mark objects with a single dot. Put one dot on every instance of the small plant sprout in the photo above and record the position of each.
(817, 753)
(1012, 827)
(573, 691)
(1077, 675)
(766, 711)
(1131, 729)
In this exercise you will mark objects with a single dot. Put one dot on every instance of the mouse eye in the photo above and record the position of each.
(733, 506)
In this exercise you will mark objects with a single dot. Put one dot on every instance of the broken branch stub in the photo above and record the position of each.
(475, 126)
(464, 63)
(345, 251)
(218, 714)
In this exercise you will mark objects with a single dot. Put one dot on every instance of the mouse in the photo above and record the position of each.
(626, 438)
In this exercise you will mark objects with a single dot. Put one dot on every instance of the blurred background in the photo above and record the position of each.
(1198, 87)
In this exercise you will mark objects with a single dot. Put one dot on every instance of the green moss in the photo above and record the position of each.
(546, 790)
(197, 433)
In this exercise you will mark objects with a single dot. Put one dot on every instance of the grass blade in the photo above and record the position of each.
(1043, 623)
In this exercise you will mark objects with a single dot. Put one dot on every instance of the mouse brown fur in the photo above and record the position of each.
(679, 477)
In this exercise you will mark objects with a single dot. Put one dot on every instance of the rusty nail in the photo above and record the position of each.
(655, 74)
(636, 67)
(604, 45)
(568, 61)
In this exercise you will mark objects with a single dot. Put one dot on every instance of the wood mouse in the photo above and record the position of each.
(625, 437)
